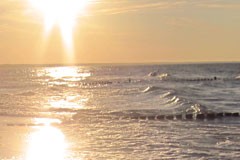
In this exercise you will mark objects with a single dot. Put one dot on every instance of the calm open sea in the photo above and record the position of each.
(83, 112)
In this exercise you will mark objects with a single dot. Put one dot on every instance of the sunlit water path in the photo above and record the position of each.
(114, 112)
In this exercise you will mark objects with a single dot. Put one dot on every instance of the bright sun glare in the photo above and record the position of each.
(47, 143)
(62, 13)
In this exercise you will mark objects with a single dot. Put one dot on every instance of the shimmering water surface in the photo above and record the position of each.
(112, 112)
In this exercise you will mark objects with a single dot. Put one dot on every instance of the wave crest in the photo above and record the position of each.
(159, 75)
(150, 89)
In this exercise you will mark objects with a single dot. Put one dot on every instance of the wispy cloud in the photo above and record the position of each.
(10, 10)
(215, 4)
(14, 16)
(125, 6)
(107, 7)
(18, 12)
(221, 6)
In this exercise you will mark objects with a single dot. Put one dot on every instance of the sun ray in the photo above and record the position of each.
(62, 13)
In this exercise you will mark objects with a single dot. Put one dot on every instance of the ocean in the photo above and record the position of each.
(86, 112)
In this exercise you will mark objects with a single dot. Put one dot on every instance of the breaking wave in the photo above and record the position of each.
(150, 89)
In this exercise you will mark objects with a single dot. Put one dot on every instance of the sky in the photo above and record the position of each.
(120, 31)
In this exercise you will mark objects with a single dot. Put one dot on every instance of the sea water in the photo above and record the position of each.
(84, 112)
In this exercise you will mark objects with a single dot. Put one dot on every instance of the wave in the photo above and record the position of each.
(103, 116)
(171, 101)
(150, 89)
(237, 77)
(151, 115)
(153, 74)
(98, 116)
(171, 105)
(163, 76)
(159, 75)
(168, 94)
(200, 78)
(168, 77)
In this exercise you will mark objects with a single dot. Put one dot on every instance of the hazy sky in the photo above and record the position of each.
(124, 31)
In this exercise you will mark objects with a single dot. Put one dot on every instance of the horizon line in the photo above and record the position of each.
(119, 63)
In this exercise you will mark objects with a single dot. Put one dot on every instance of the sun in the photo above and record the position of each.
(62, 13)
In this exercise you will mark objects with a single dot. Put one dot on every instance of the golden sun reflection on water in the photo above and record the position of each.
(69, 102)
(46, 142)
(46, 121)
(67, 73)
